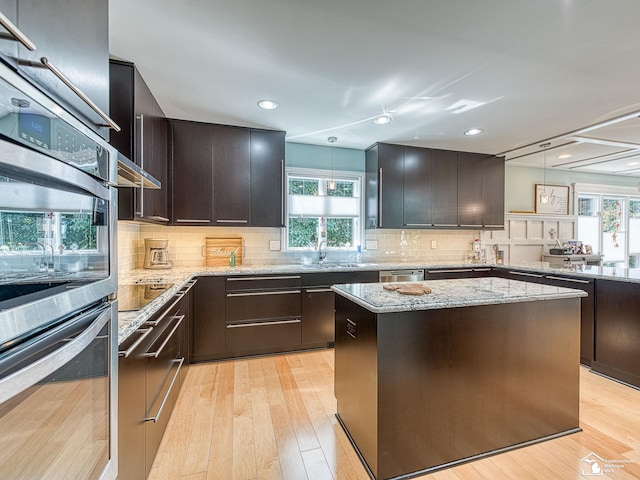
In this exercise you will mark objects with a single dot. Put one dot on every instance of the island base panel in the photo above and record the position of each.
(420, 390)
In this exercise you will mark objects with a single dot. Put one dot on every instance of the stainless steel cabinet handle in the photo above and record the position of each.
(455, 270)
(16, 33)
(158, 217)
(258, 294)
(145, 333)
(481, 269)
(156, 417)
(178, 297)
(380, 197)
(445, 224)
(262, 324)
(526, 274)
(232, 221)
(318, 290)
(496, 226)
(284, 189)
(141, 140)
(109, 122)
(285, 277)
(157, 353)
(475, 225)
(575, 280)
(418, 224)
(192, 220)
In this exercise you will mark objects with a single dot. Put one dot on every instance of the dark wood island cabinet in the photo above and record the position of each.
(478, 366)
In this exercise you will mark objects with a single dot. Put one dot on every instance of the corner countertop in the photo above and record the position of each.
(128, 322)
(464, 292)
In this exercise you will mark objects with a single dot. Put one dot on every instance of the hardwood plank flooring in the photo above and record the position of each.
(274, 418)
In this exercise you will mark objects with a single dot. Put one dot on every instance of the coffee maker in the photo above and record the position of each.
(156, 255)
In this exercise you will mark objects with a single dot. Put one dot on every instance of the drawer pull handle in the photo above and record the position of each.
(319, 290)
(526, 274)
(244, 279)
(262, 324)
(256, 294)
(157, 353)
(567, 279)
(192, 220)
(455, 270)
(145, 332)
(156, 417)
(232, 221)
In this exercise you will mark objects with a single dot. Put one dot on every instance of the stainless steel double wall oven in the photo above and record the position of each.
(58, 326)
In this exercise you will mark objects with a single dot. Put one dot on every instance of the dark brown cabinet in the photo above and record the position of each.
(149, 378)
(587, 304)
(143, 139)
(417, 196)
(385, 186)
(444, 188)
(262, 314)
(413, 187)
(318, 304)
(208, 328)
(231, 179)
(470, 204)
(74, 37)
(191, 173)
(617, 330)
(236, 174)
(267, 178)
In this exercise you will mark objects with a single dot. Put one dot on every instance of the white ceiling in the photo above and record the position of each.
(533, 71)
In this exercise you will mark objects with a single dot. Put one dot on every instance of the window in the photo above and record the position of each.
(323, 209)
(609, 221)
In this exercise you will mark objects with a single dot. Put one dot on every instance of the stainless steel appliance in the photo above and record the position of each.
(58, 271)
(401, 275)
(156, 254)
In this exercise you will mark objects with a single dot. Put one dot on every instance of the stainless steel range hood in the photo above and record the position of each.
(131, 175)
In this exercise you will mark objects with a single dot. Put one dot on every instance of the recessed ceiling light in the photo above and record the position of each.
(564, 155)
(382, 119)
(473, 131)
(268, 104)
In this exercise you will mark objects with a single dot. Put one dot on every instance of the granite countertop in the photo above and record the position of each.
(464, 292)
(128, 322)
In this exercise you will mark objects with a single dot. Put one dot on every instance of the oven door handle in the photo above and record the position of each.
(17, 382)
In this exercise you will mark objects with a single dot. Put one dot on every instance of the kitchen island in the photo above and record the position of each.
(477, 366)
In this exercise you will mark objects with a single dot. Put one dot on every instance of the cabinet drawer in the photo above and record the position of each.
(262, 282)
(256, 337)
(262, 305)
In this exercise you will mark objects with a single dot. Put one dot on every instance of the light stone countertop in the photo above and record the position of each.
(464, 292)
(128, 322)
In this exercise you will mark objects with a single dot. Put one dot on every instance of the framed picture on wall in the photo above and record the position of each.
(557, 199)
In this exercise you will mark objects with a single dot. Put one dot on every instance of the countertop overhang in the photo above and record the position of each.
(463, 292)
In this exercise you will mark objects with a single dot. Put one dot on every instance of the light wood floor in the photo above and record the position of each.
(274, 417)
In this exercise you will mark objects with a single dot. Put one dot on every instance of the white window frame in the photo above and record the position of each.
(324, 174)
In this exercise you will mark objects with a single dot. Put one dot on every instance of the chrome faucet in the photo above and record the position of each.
(322, 255)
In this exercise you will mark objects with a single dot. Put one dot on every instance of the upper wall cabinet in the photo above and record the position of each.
(226, 176)
(72, 53)
(413, 187)
(143, 139)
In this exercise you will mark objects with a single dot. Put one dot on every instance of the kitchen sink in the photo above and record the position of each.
(333, 265)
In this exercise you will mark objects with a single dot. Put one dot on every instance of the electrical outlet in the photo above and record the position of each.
(274, 245)
(434, 244)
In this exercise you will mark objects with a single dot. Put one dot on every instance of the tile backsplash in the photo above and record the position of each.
(186, 245)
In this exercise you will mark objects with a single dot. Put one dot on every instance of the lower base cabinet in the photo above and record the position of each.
(150, 365)
(617, 330)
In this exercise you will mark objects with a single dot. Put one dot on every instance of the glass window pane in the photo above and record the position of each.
(303, 232)
(340, 232)
(342, 189)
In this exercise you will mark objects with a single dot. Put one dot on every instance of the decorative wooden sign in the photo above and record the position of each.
(218, 249)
